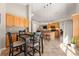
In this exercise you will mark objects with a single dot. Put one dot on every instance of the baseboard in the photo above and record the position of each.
(2, 50)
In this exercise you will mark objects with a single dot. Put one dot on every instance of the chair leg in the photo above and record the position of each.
(39, 49)
(33, 51)
(9, 51)
(25, 50)
(12, 52)
(17, 48)
(20, 49)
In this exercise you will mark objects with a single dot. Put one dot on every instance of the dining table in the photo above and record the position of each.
(31, 35)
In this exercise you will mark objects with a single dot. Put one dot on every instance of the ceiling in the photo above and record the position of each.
(35, 6)
(47, 12)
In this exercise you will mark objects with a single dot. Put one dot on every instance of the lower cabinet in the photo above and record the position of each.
(7, 41)
(14, 38)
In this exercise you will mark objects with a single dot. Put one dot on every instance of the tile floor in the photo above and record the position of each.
(53, 48)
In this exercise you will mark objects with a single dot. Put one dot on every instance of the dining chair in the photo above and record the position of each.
(17, 44)
(21, 32)
(35, 43)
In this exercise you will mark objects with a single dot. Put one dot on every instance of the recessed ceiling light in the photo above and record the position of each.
(44, 7)
(47, 5)
(50, 3)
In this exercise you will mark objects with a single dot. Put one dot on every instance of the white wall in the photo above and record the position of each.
(2, 26)
(13, 8)
(77, 8)
(29, 12)
(16, 9)
(66, 26)
(35, 26)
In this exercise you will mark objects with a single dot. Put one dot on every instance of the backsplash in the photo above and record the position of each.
(14, 29)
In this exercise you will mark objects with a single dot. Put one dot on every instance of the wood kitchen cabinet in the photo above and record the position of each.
(7, 41)
(76, 27)
(26, 23)
(9, 20)
(49, 26)
(17, 21)
(56, 25)
(21, 22)
(14, 38)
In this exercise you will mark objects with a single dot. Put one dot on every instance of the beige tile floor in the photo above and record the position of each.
(53, 48)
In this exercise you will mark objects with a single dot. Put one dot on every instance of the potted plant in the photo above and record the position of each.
(73, 42)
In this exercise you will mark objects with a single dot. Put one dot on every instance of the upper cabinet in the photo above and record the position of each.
(26, 22)
(53, 25)
(21, 22)
(16, 21)
(75, 25)
(9, 20)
